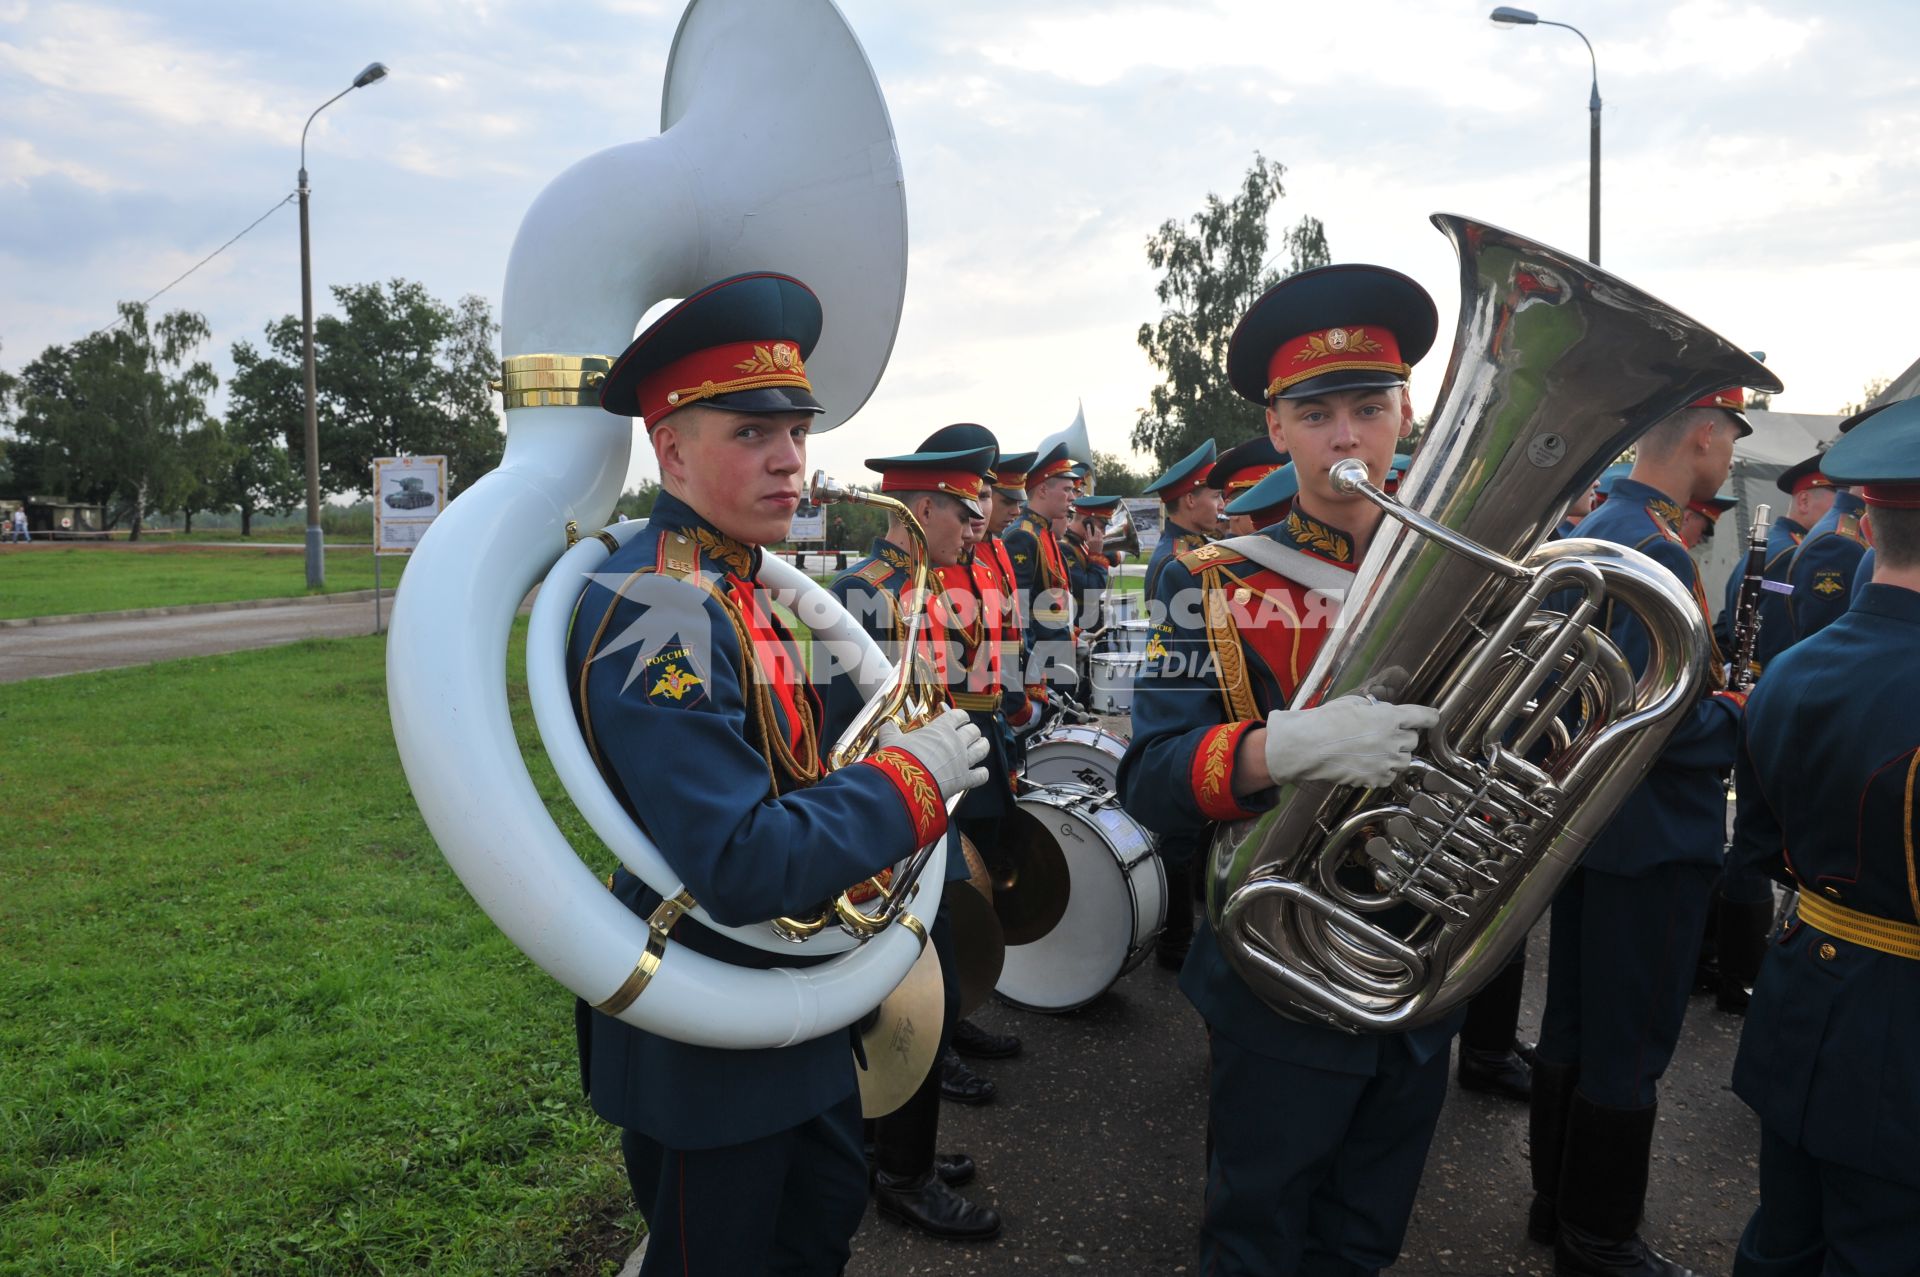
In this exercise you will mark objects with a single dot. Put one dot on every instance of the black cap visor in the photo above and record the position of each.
(765, 399)
(1346, 379)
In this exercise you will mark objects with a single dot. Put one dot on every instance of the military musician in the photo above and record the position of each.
(1317, 1136)
(1627, 922)
(1827, 561)
(1830, 1058)
(1189, 509)
(941, 488)
(1040, 572)
(694, 701)
(1236, 473)
(1087, 565)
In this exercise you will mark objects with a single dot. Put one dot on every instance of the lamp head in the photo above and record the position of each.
(1507, 15)
(374, 71)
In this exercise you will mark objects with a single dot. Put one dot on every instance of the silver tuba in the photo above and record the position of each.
(722, 190)
(1383, 909)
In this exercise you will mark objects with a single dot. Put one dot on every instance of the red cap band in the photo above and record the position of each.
(720, 370)
(1192, 483)
(1044, 473)
(1711, 513)
(1240, 480)
(1811, 479)
(1734, 400)
(1892, 496)
(1334, 350)
(960, 483)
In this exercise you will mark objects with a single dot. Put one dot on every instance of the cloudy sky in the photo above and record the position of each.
(1760, 164)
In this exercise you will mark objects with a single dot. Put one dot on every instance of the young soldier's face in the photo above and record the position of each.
(740, 471)
(1005, 509)
(945, 521)
(1327, 429)
(1052, 498)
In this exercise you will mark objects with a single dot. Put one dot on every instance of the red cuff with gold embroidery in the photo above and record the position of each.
(1213, 772)
(917, 791)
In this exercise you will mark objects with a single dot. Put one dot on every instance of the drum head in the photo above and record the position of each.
(1075, 755)
(1117, 904)
(1031, 882)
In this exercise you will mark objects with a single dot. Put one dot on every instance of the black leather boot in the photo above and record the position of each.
(954, 1169)
(970, 1039)
(1603, 1188)
(928, 1204)
(1744, 927)
(1488, 1061)
(960, 1083)
(1547, 1141)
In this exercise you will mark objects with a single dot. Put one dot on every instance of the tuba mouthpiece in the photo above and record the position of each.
(1349, 475)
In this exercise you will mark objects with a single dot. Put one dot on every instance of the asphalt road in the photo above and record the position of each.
(42, 651)
(1092, 1151)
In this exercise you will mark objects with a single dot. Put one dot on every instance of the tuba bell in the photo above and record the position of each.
(720, 191)
(1383, 909)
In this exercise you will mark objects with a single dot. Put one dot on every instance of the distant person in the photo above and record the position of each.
(20, 531)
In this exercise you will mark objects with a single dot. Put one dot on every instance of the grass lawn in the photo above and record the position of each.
(249, 1020)
(58, 579)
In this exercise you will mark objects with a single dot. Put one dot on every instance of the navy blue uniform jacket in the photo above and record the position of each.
(1824, 566)
(1044, 590)
(668, 699)
(1830, 1058)
(1679, 813)
(1174, 541)
(1208, 678)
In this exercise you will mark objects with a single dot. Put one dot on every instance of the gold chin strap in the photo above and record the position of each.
(552, 381)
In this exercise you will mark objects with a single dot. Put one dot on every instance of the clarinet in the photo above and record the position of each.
(1746, 615)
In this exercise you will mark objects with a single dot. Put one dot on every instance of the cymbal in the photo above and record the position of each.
(979, 945)
(900, 1038)
(977, 876)
(1031, 896)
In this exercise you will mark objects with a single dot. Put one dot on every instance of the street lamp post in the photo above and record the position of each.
(316, 543)
(1508, 16)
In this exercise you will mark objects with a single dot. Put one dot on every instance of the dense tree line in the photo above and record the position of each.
(121, 418)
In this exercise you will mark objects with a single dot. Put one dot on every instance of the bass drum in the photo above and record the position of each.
(1117, 900)
(1074, 755)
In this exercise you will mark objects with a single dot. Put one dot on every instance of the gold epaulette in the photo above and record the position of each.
(679, 556)
(876, 572)
(1210, 555)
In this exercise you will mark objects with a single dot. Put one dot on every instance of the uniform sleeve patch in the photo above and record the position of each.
(917, 790)
(1213, 772)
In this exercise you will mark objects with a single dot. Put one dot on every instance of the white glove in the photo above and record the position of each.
(1354, 740)
(951, 748)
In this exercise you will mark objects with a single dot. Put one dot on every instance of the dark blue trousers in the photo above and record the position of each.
(786, 1203)
(1619, 967)
(1313, 1173)
(1818, 1218)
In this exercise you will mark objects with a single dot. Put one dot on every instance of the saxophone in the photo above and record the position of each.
(1380, 910)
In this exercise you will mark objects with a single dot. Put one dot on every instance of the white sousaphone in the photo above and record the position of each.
(775, 153)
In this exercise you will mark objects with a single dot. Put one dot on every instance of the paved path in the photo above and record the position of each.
(42, 651)
(1093, 1152)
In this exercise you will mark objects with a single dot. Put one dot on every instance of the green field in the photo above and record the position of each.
(61, 579)
(249, 1020)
